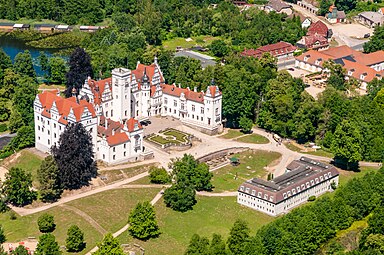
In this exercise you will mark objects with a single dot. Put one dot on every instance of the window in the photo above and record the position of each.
(103, 156)
(266, 196)
(125, 145)
(54, 125)
(193, 116)
(321, 178)
(165, 100)
(302, 186)
(253, 192)
(289, 193)
(114, 157)
(174, 103)
(38, 118)
(125, 153)
(114, 149)
(298, 189)
(38, 127)
(329, 174)
(307, 184)
(111, 113)
(217, 111)
(258, 194)
(242, 188)
(317, 180)
(106, 114)
(193, 108)
(49, 142)
(202, 110)
(285, 195)
(49, 132)
(293, 191)
(247, 190)
(117, 96)
(312, 182)
(54, 135)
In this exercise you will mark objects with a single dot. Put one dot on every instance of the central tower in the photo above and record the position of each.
(121, 92)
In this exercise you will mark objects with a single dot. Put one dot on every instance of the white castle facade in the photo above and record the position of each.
(111, 110)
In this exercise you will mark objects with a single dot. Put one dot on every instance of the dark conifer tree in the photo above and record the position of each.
(74, 157)
(79, 69)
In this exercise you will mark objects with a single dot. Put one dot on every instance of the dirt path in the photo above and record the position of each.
(222, 194)
(86, 217)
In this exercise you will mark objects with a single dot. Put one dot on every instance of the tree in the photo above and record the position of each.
(20, 250)
(198, 246)
(23, 64)
(48, 176)
(43, 59)
(217, 246)
(79, 69)
(47, 245)
(74, 157)
(17, 187)
(75, 239)
(376, 42)
(337, 75)
(180, 197)
(2, 235)
(142, 220)
(245, 124)
(346, 144)
(219, 48)
(159, 175)
(57, 70)
(5, 63)
(238, 237)
(46, 223)
(109, 246)
(24, 138)
(189, 171)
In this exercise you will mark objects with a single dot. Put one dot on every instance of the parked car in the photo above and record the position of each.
(367, 35)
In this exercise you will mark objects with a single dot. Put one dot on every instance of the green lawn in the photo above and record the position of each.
(111, 208)
(24, 227)
(144, 180)
(200, 40)
(210, 215)
(345, 176)
(318, 152)
(181, 137)
(120, 174)
(253, 138)
(232, 133)
(29, 162)
(251, 165)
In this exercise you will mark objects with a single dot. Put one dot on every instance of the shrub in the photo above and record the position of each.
(312, 198)
(3, 206)
(12, 215)
(159, 175)
(3, 127)
(75, 239)
(46, 223)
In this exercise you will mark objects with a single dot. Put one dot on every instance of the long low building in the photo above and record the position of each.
(362, 67)
(303, 178)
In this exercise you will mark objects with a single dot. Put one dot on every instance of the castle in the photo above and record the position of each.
(112, 109)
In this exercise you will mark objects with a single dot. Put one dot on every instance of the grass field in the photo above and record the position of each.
(252, 165)
(181, 42)
(29, 162)
(253, 138)
(232, 133)
(119, 174)
(210, 215)
(318, 152)
(24, 227)
(345, 176)
(111, 208)
(179, 136)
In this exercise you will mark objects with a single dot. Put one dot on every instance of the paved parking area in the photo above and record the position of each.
(161, 123)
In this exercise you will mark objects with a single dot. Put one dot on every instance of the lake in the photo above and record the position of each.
(13, 46)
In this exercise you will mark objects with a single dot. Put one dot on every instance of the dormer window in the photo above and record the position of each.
(307, 57)
(242, 188)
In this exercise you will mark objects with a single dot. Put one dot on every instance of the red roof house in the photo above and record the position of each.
(278, 50)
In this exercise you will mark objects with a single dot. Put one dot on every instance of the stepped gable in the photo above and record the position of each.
(189, 94)
(133, 125)
(98, 88)
(64, 106)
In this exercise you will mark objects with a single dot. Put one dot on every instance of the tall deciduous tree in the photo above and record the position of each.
(188, 170)
(346, 144)
(109, 246)
(142, 222)
(57, 70)
(74, 157)
(46, 223)
(23, 64)
(17, 187)
(217, 246)
(198, 246)
(79, 69)
(337, 75)
(48, 176)
(47, 245)
(43, 59)
(75, 239)
(20, 250)
(238, 237)
(376, 42)
(180, 197)
(5, 63)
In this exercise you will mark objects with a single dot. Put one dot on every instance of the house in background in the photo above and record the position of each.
(44, 28)
(317, 38)
(335, 16)
(278, 6)
(280, 50)
(309, 7)
(7, 27)
(306, 22)
(371, 19)
(21, 26)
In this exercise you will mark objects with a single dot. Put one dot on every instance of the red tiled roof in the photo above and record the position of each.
(98, 87)
(64, 106)
(313, 56)
(318, 28)
(275, 49)
(131, 124)
(176, 91)
(340, 51)
(311, 40)
(117, 139)
(370, 58)
(357, 70)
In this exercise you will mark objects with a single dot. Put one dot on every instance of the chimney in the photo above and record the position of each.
(155, 60)
(113, 132)
(188, 88)
(179, 85)
(105, 123)
(195, 89)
